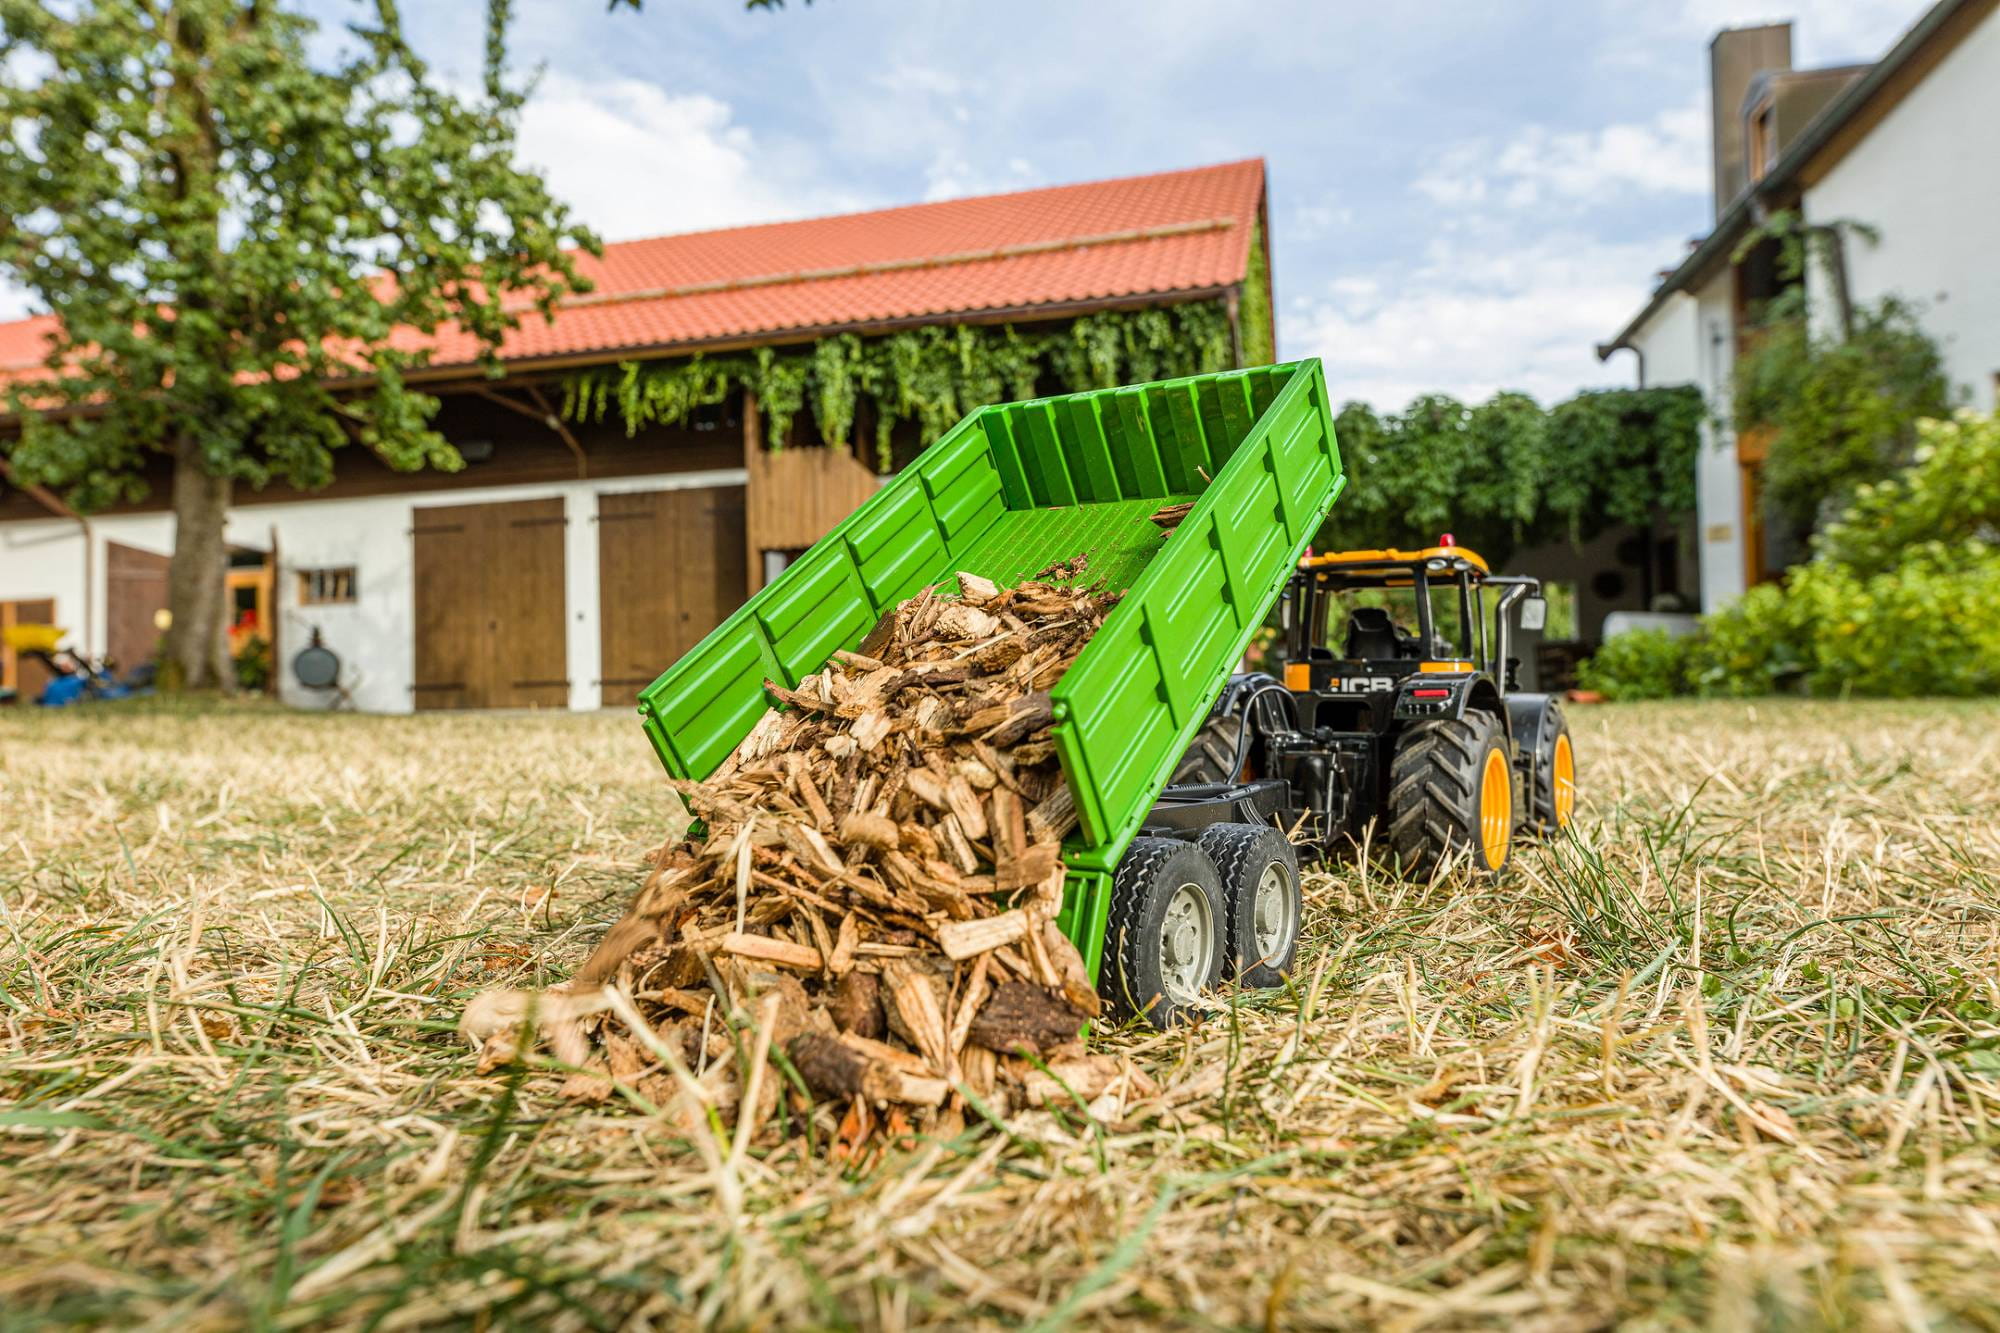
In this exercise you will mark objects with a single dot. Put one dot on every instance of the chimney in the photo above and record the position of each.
(1735, 57)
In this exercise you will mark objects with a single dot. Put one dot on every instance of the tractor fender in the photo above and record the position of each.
(1240, 685)
(1468, 694)
(1533, 719)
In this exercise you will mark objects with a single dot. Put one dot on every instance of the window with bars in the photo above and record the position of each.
(327, 587)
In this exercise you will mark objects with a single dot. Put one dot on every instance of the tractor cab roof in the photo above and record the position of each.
(1394, 568)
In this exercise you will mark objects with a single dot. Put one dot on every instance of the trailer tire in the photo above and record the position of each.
(1259, 869)
(1451, 791)
(1164, 939)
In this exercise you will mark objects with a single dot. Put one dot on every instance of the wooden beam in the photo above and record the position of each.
(540, 412)
(40, 494)
(560, 427)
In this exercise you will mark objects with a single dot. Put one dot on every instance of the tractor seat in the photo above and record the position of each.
(1372, 636)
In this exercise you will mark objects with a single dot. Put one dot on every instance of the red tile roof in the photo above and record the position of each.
(1174, 232)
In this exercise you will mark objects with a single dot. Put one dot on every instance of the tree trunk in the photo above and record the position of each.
(197, 647)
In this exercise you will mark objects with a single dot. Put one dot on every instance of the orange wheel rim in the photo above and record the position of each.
(1564, 781)
(1496, 809)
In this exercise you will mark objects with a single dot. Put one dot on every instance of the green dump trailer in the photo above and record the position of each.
(1007, 492)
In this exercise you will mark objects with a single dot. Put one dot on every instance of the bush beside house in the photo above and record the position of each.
(1901, 597)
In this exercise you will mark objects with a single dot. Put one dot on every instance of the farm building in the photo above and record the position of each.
(1891, 165)
(670, 439)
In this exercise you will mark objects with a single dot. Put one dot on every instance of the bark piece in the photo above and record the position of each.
(1021, 1016)
(1032, 866)
(857, 1005)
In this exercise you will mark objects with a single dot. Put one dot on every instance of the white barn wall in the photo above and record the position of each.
(1928, 178)
(45, 558)
(375, 634)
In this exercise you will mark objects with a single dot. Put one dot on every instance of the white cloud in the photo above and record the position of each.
(918, 79)
(1665, 155)
(952, 176)
(1311, 221)
(634, 160)
(1475, 316)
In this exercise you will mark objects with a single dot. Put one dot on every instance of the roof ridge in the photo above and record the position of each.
(1121, 237)
(934, 203)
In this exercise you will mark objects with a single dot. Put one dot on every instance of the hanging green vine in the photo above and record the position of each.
(932, 375)
(1253, 315)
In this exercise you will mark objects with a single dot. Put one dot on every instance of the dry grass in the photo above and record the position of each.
(1731, 1057)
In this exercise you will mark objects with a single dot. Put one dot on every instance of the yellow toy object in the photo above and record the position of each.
(33, 638)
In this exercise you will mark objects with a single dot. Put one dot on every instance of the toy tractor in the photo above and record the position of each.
(1397, 724)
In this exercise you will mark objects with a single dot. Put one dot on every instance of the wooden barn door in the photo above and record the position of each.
(135, 591)
(670, 568)
(489, 606)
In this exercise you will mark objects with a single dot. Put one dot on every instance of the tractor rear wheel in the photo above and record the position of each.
(1163, 943)
(1260, 883)
(1451, 791)
(1552, 802)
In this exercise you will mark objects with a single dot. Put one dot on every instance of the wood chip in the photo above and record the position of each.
(782, 952)
(964, 939)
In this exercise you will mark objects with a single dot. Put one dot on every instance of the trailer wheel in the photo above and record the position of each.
(1451, 789)
(1163, 943)
(1260, 883)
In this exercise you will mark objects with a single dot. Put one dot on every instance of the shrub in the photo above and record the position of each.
(1754, 646)
(1639, 664)
(1930, 626)
(1901, 597)
(1951, 493)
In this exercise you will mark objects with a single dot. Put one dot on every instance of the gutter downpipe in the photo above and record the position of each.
(1604, 351)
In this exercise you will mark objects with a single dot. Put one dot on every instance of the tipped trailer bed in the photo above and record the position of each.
(1013, 489)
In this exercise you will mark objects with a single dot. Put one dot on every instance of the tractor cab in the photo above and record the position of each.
(1374, 637)
(1395, 707)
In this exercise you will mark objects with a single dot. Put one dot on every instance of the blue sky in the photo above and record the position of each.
(1464, 196)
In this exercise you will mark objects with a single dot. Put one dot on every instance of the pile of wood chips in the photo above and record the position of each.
(871, 910)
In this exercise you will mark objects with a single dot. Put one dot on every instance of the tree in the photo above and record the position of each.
(1508, 473)
(1842, 401)
(230, 225)
(1844, 408)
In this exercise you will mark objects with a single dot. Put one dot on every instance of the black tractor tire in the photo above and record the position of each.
(1164, 939)
(1211, 756)
(1260, 883)
(1552, 795)
(1438, 787)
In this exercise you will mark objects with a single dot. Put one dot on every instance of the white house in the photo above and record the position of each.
(572, 561)
(1908, 146)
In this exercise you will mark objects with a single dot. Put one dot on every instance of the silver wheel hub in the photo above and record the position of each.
(1275, 921)
(1187, 943)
